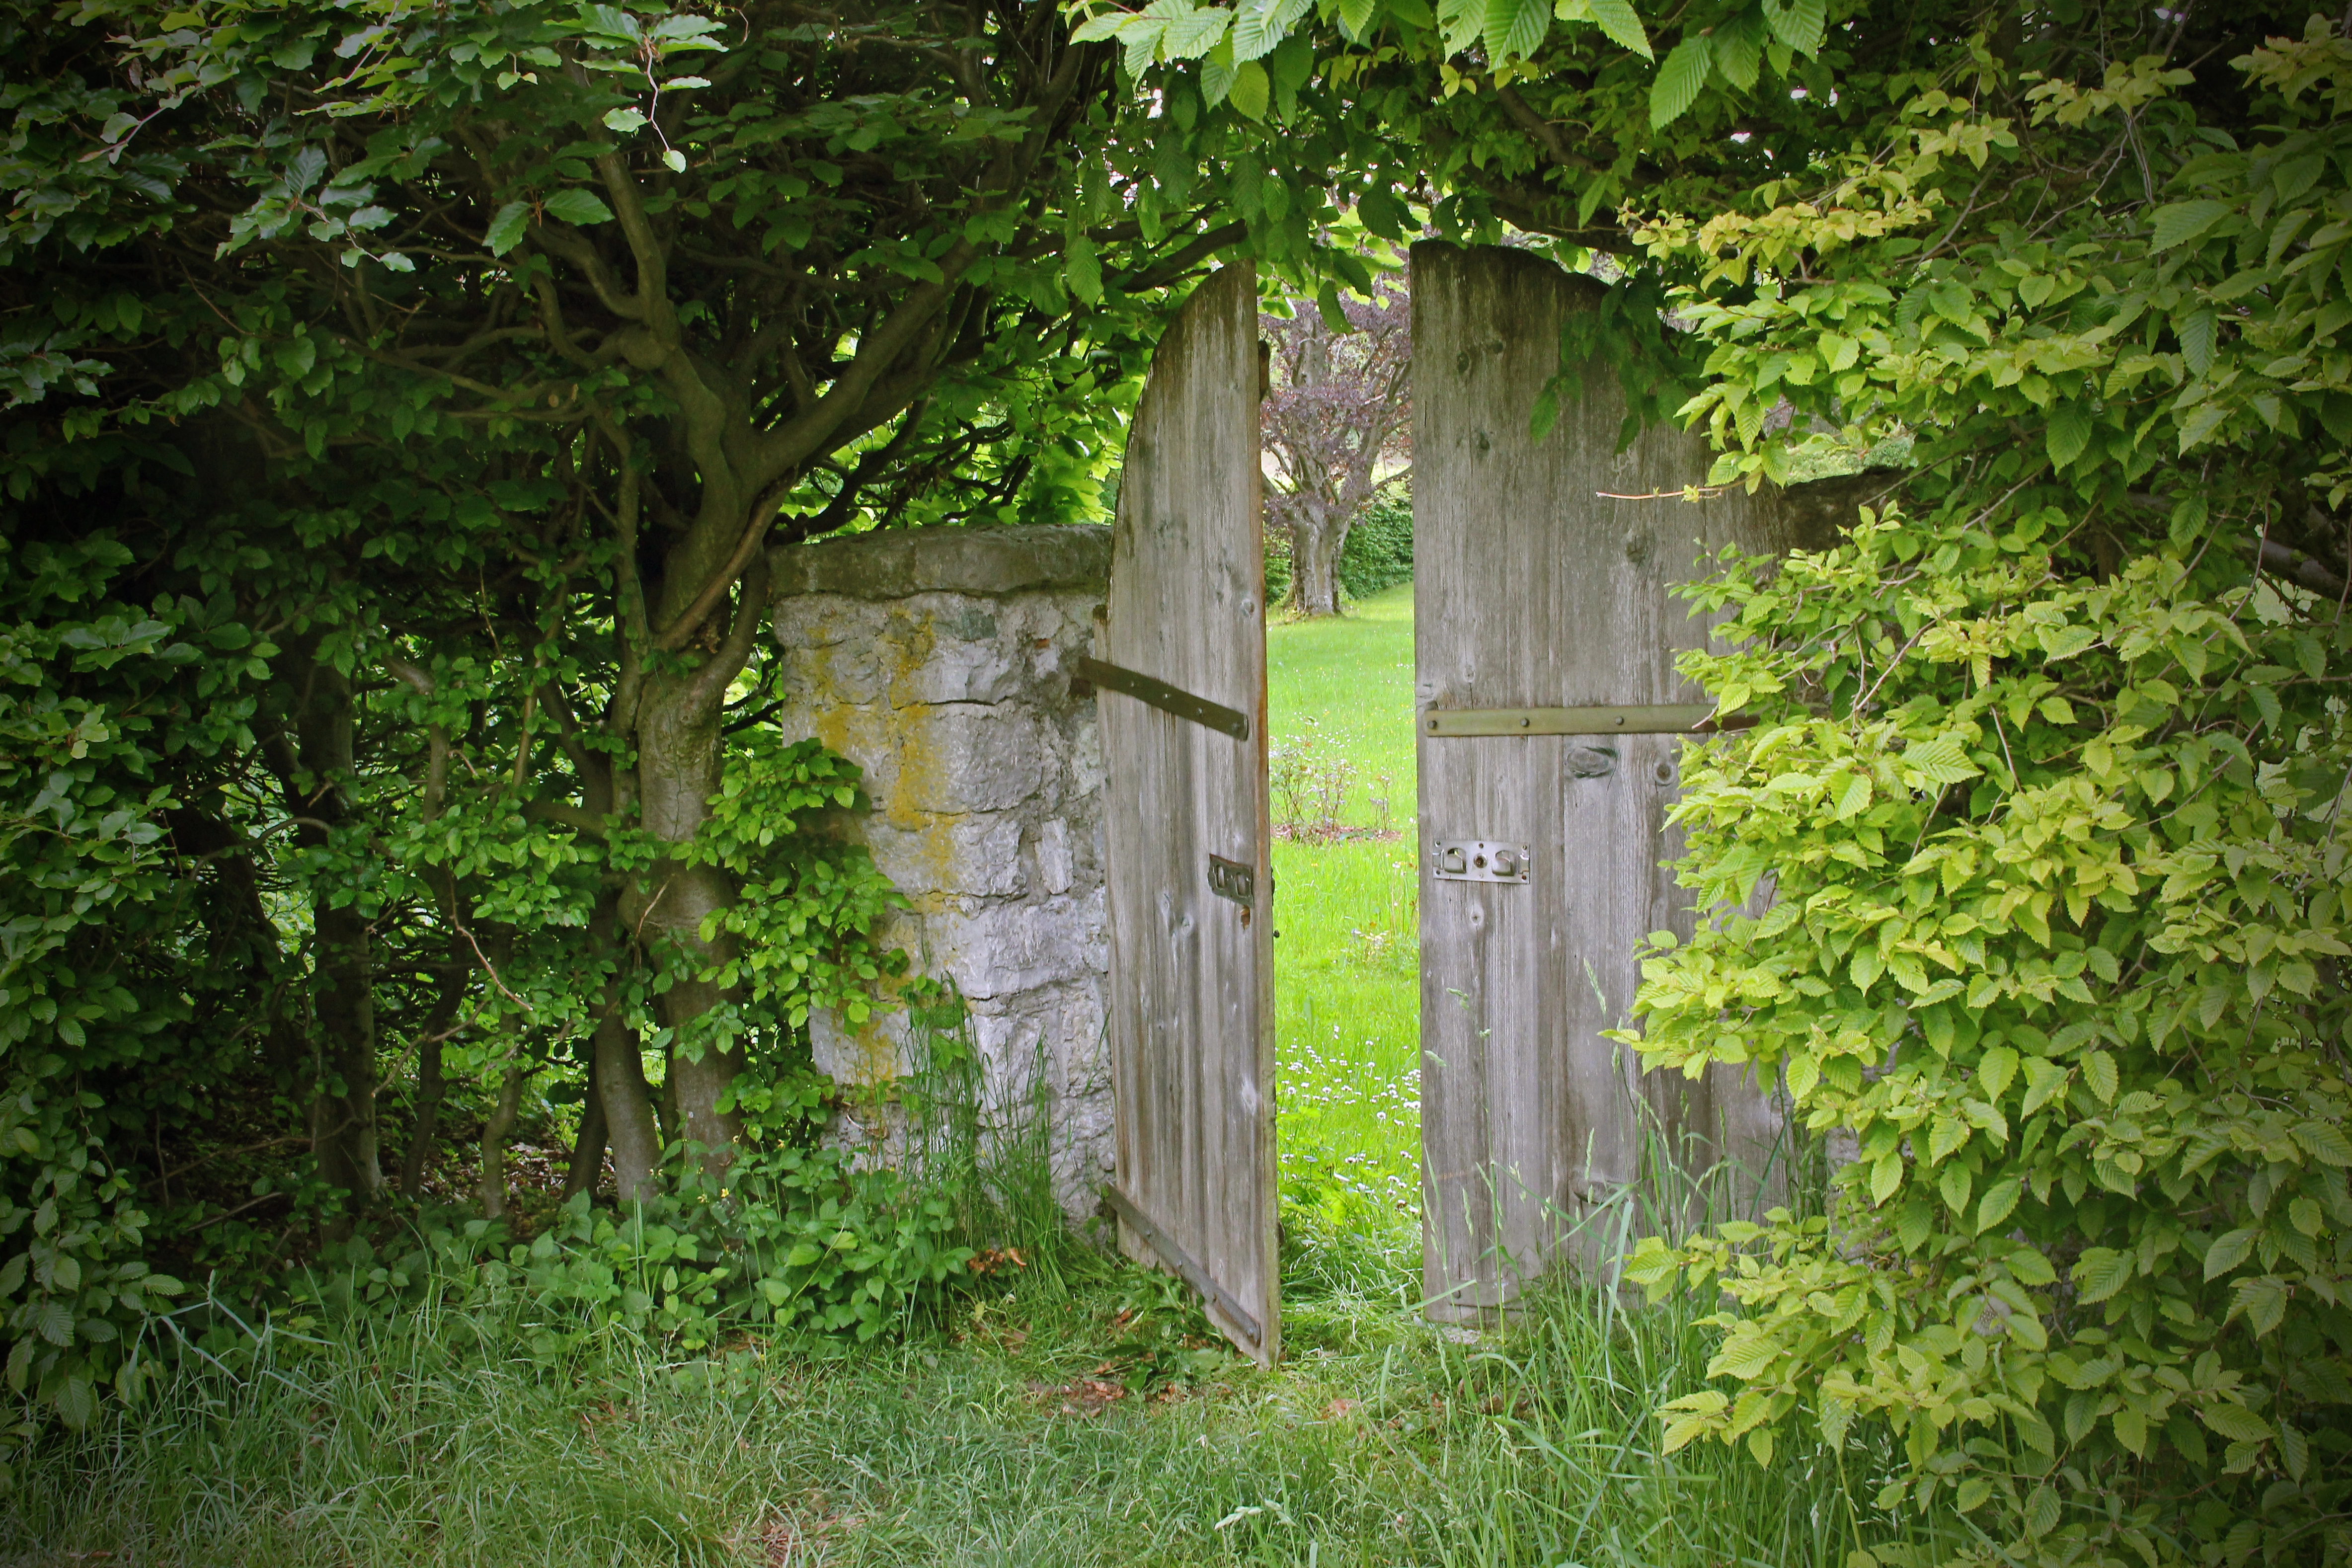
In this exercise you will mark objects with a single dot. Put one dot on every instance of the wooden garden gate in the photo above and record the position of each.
(1546, 704)
(1547, 710)
(1183, 724)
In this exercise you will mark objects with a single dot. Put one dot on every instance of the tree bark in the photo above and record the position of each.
(618, 1074)
(678, 760)
(494, 1144)
(431, 1086)
(587, 1161)
(312, 770)
(1315, 546)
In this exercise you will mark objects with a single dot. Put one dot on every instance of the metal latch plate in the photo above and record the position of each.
(1232, 879)
(1478, 860)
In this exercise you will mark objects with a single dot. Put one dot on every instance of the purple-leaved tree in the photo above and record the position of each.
(1340, 408)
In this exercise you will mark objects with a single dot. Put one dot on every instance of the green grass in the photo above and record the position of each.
(976, 1441)
(1348, 1008)
(984, 1436)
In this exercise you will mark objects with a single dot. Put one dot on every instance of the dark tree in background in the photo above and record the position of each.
(1339, 409)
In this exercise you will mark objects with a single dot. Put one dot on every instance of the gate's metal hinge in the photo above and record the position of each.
(1478, 860)
(1232, 879)
(1166, 698)
(1657, 719)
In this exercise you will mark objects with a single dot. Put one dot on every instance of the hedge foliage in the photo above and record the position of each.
(2048, 785)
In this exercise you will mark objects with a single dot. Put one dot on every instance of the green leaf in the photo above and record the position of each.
(1886, 1175)
(2236, 1422)
(1516, 28)
(2099, 1073)
(2068, 434)
(1744, 1355)
(2029, 1268)
(53, 1321)
(1854, 796)
(1260, 25)
(1679, 79)
(1945, 1134)
(2101, 1272)
(625, 121)
(577, 206)
(1082, 268)
(1999, 1202)
(506, 229)
(2228, 1251)
(2178, 223)
(2324, 1142)
(1097, 27)
(1939, 761)
(1249, 90)
(1739, 50)
(1804, 1071)
(2196, 333)
(1190, 36)
(77, 1402)
(1613, 17)
(1995, 1071)
(2294, 1451)
(2262, 1300)
(1796, 22)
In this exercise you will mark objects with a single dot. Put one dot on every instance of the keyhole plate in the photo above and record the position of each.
(1478, 860)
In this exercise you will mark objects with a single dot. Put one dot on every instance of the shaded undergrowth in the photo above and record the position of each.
(1040, 1420)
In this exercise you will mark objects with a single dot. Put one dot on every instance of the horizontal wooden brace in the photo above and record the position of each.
(1665, 718)
(1176, 1258)
(1166, 698)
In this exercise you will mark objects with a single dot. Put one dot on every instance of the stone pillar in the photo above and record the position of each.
(940, 660)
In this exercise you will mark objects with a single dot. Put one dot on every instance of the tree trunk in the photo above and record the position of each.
(1316, 542)
(342, 992)
(587, 1161)
(678, 759)
(494, 1144)
(431, 1087)
(619, 1076)
(678, 773)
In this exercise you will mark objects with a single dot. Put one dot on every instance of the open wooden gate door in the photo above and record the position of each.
(1546, 704)
(1182, 673)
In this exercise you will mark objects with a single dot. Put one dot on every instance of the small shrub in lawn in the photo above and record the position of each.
(1310, 778)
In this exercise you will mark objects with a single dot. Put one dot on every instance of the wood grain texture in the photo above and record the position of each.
(1191, 1014)
(1531, 591)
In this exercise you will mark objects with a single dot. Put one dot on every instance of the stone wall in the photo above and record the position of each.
(940, 661)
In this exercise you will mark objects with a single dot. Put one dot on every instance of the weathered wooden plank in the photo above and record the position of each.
(1534, 593)
(1191, 1016)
